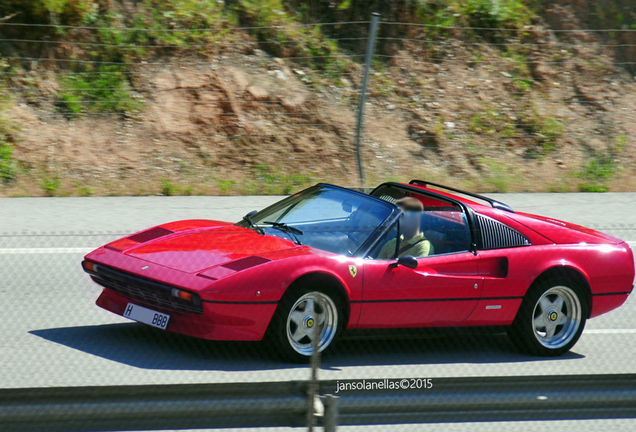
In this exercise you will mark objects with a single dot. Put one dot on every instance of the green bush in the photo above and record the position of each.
(187, 15)
(85, 191)
(7, 164)
(270, 183)
(104, 91)
(64, 12)
(168, 188)
(548, 131)
(596, 172)
(7, 136)
(494, 13)
(50, 186)
(480, 15)
(280, 34)
(545, 130)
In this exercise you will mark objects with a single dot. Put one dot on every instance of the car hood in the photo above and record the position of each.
(196, 250)
(561, 232)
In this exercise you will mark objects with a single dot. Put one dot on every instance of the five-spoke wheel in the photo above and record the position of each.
(312, 313)
(302, 316)
(557, 317)
(550, 319)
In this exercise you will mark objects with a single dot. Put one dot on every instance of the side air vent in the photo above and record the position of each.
(245, 263)
(151, 234)
(496, 235)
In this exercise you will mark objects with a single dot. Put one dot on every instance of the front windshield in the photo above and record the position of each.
(324, 217)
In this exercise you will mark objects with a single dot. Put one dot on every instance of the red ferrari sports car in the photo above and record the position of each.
(340, 259)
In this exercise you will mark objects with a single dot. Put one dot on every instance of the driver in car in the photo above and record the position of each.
(412, 241)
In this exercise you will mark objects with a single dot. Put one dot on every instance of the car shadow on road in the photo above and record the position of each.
(432, 348)
(144, 347)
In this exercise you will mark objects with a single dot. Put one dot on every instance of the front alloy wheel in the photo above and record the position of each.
(297, 319)
(312, 310)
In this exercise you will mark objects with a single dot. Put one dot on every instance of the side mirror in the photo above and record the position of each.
(252, 213)
(407, 261)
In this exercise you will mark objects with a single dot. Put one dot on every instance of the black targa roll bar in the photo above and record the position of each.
(495, 204)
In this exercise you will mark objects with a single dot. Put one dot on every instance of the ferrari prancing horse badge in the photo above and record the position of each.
(353, 270)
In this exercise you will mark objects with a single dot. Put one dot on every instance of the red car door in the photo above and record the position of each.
(442, 291)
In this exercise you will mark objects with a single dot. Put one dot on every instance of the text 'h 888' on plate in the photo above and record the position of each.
(146, 316)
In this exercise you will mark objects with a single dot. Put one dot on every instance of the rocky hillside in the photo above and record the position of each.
(134, 98)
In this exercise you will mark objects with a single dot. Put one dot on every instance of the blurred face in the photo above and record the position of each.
(410, 223)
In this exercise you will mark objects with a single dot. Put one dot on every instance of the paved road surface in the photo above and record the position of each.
(52, 334)
(613, 425)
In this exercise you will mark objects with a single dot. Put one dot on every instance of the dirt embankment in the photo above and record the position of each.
(555, 113)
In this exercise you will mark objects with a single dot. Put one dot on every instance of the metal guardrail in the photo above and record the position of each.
(152, 407)
(498, 399)
(284, 403)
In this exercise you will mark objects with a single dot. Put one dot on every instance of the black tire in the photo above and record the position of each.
(282, 326)
(551, 318)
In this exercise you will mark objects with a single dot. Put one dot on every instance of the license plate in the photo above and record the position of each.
(146, 316)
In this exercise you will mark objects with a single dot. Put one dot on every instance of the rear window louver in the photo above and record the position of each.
(245, 263)
(150, 234)
(388, 198)
(497, 235)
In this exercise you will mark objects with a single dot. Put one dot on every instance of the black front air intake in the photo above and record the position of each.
(496, 235)
(144, 290)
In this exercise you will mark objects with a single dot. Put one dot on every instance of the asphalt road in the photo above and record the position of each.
(52, 334)
(614, 425)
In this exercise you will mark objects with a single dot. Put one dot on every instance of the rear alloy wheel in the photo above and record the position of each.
(295, 322)
(550, 320)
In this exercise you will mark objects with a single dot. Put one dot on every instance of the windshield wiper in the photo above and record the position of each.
(288, 229)
(248, 218)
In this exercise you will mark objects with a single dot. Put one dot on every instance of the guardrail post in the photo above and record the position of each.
(330, 420)
(375, 18)
(313, 383)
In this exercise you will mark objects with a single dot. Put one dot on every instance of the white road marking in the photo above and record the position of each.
(11, 251)
(609, 331)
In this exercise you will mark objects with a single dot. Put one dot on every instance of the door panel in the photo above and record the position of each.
(507, 275)
(442, 291)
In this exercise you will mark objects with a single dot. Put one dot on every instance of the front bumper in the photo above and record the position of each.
(219, 321)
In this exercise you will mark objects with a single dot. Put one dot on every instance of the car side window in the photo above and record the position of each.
(446, 230)
(385, 249)
(443, 225)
